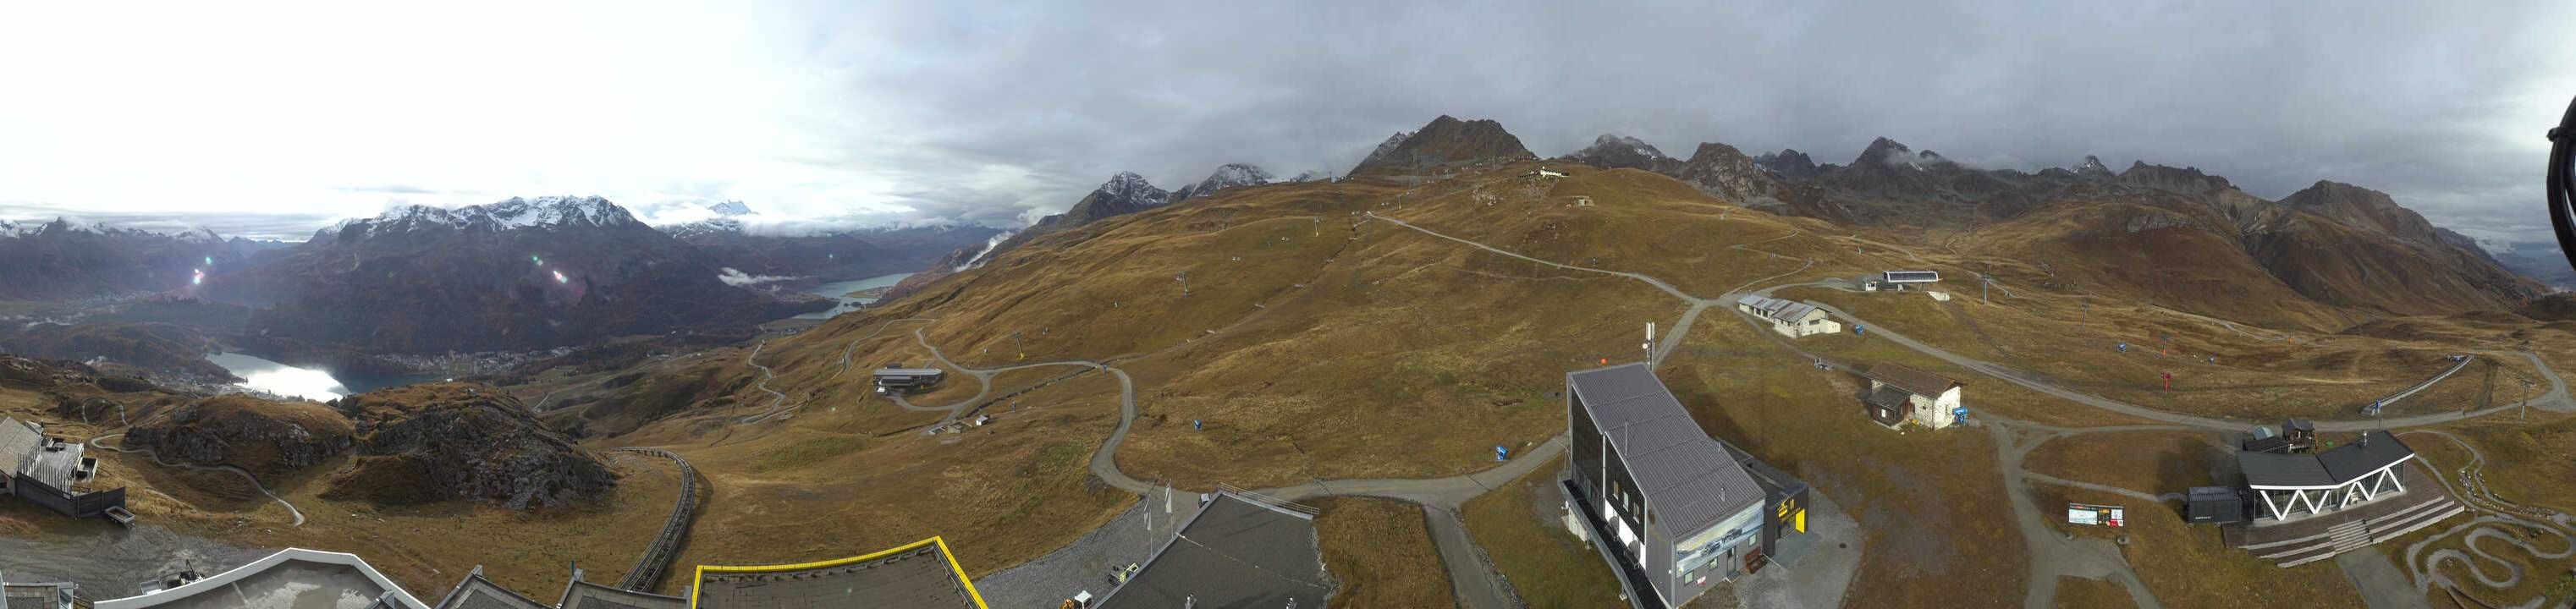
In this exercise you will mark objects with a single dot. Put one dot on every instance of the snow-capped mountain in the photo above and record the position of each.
(64, 258)
(516, 274)
(731, 208)
(1226, 176)
(541, 213)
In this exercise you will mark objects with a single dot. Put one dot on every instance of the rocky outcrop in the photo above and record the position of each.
(261, 436)
(1229, 175)
(445, 441)
(1123, 194)
(1789, 164)
(1445, 144)
(1614, 151)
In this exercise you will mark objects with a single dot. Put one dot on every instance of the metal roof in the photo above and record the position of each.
(1234, 553)
(2275, 469)
(2373, 452)
(586, 595)
(18, 444)
(1911, 379)
(479, 593)
(289, 579)
(1777, 309)
(1911, 276)
(910, 372)
(1888, 397)
(1688, 478)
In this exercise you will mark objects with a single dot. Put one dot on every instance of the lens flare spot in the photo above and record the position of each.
(199, 278)
(210, 261)
(560, 278)
(537, 261)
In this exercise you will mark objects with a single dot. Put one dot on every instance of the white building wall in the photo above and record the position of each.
(1936, 412)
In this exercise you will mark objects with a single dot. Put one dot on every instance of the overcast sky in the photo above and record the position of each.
(274, 119)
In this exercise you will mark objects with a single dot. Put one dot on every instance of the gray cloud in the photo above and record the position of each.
(2440, 104)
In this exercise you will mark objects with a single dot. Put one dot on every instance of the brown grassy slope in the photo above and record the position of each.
(2082, 593)
(1930, 505)
(2060, 338)
(818, 486)
(1520, 525)
(2189, 566)
(1381, 554)
(2133, 252)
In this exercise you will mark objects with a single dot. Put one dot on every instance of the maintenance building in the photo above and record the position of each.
(892, 380)
(1790, 318)
(1672, 511)
(2307, 507)
(1899, 393)
(46, 471)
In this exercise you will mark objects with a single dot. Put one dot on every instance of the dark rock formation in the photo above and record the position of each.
(443, 441)
(264, 437)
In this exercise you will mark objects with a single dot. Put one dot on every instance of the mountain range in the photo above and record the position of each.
(2333, 243)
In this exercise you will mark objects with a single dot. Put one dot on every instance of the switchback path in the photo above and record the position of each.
(245, 474)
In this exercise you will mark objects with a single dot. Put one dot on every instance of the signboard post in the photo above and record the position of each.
(2097, 515)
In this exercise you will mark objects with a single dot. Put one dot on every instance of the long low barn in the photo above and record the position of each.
(1790, 318)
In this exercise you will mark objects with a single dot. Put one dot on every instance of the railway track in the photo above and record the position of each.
(657, 558)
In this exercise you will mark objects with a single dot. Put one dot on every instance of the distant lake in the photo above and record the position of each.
(309, 383)
(836, 290)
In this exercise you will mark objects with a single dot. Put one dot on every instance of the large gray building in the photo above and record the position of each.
(1675, 513)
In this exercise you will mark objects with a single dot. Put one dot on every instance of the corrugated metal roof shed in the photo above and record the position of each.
(1688, 478)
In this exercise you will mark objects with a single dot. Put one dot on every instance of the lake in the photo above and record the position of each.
(311, 383)
(836, 290)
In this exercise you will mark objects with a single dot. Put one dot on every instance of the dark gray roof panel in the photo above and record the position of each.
(2274, 469)
(479, 593)
(1234, 553)
(1689, 479)
(2352, 461)
(586, 595)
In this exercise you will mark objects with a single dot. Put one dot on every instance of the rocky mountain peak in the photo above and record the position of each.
(2092, 167)
(1226, 176)
(1787, 163)
(731, 208)
(1128, 185)
(515, 213)
(1445, 143)
(1883, 150)
(1614, 151)
(2184, 180)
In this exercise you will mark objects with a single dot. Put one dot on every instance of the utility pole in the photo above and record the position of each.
(1184, 278)
(1016, 346)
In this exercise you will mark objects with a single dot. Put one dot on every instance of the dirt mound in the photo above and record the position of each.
(428, 443)
(262, 436)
